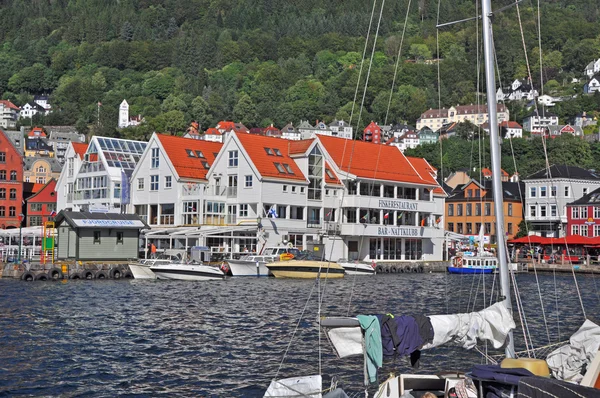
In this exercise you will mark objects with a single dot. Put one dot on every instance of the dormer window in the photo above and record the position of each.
(206, 165)
(277, 152)
(190, 153)
(269, 151)
(288, 168)
(199, 154)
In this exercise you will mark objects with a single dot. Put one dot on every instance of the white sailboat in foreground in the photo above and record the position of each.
(364, 334)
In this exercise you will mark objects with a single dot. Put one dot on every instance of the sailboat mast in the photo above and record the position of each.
(486, 8)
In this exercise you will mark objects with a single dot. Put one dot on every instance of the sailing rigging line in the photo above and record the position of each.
(397, 63)
(520, 312)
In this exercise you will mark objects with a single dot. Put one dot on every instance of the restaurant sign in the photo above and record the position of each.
(397, 204)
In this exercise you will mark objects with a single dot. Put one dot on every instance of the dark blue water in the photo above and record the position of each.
(228, 338)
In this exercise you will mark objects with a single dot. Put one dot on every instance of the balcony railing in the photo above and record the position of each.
(313, 224)
(217, 190)
(333, 229)
(167, 219)
(231, 192)
(191, 189)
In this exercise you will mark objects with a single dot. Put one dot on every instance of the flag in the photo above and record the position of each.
(328, 214)
(400, 215)
(438, 220)
(272, 212)
(386, 215)
(423, 222)
(364, 217)
(53, 213)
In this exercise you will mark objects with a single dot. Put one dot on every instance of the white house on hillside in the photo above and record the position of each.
(537, 121)
(592, 68)
(593, 85)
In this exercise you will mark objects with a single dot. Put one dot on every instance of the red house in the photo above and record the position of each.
(372, 133)
(583, 215)
(11, 183)
(41, 205)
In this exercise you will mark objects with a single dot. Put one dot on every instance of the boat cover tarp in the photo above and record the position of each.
(492, 324)
(304, 386)
(541, 387)
(567, 362)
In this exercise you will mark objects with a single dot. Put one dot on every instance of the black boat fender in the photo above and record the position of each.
(116, 273)
(393, 269)
(41, 277)
(128, 275)
(407, 269)
(380, 269)
(55, 274)
(75, 275)
(101, 275)
(420, 269)
(28, 276)
(87, 274)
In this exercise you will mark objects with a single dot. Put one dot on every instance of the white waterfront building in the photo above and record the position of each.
(324, 198)
(107, 163)
(65, 186)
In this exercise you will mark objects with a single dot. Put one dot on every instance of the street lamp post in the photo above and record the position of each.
(21, 217)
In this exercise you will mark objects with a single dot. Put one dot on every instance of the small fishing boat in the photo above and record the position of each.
(356, 267)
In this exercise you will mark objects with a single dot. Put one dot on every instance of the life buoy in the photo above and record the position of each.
(459, 262)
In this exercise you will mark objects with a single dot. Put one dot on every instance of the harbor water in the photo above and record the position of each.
(228, 338)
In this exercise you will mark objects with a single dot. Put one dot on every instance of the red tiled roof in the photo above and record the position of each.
(486, 172)
(186, 166)
(36, 132)
(374, 161)
(80, 148)
(43, 193)
(511, 124)
(328, 180)
(9, 104)
(255, 147)
(212, 131)
(301, 146)
(427, 172)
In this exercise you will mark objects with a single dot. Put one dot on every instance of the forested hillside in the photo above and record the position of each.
(268, 61)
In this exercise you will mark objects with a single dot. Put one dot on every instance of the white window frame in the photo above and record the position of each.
(553, 211)
(154, 158)
(243, 210)
(140, 185)
(248, 181)
(575, 213)
(583, 230)
(575, 229)
(553, 191)
(567, 191)
(533, 211)
(596, 212)
(233, 158)
(154, 183)
(583, 212)
(543, 192)
(168, 182)
(596, 230)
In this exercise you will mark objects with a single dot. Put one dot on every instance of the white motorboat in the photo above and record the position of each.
(356, 267)
(187, 272)
(250, 265)
(141, 269)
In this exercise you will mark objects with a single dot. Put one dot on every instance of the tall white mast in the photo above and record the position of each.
(495, 158)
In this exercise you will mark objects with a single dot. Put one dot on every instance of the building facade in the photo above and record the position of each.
(537, 122)
(548, 192)
(11, 183)
(476, 114)
(41, 206)
(65, 186)
(9, 114)
(583, 215)
(471, 206)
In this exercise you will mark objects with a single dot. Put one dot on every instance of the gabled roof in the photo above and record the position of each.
(46, 194)
(592, 198)
(53, 163)
(80, 148)
(267, 164)
(427, 172)
(373, 161)
(510, 191)
(36, 132)
(8, 104)
(563, 171)
(212, 131)
(75, 219)
(179, 150)
(511, 124)
(289, 129)
(543, 113)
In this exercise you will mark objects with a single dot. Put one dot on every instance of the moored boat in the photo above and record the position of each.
(250, 265)
(187, 272)
(479, 264)
(305, 269)
(356, 267)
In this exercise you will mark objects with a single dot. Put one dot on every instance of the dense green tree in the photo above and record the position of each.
(245, 111)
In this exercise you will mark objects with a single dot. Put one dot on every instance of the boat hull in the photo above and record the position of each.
(246, 268)
(141, 271)
(305, 269)
(468, 270)
(184, 272)
(358, 269)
